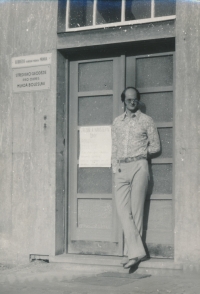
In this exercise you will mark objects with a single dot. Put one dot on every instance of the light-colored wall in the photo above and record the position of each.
(187, 136)
(27, 147)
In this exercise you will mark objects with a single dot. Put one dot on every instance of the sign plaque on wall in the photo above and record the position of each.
(95, 146)
(31, 73)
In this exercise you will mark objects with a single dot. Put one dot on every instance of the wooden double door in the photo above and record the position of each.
(94, 100)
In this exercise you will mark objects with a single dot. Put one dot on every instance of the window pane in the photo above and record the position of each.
(160, 179)
(80, 13)
(138, 9)
(154, 71)
(108, 11)
(95, 110)
(94, 76)
(95, 213)
(158, 105)
(95, 180)
(165, 7)
(166, 137)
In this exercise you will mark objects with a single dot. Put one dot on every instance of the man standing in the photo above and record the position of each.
(134, 139)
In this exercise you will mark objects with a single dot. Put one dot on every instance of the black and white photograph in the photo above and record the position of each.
(99, 146)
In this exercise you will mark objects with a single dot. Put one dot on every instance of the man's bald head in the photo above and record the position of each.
(130, 91)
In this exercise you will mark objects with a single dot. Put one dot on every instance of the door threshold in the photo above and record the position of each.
(153, 266)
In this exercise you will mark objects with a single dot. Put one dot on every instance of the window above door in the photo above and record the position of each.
(94, 14)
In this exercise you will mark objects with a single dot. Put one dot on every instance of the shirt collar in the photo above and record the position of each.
(136, 114)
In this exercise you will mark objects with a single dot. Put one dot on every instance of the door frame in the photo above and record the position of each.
(62, 237)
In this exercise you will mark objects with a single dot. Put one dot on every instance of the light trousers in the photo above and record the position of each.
(130, 191)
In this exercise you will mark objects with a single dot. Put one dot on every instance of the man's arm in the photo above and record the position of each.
(114, 149)
(153, 137)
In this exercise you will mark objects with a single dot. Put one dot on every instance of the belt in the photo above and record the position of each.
(130, 159)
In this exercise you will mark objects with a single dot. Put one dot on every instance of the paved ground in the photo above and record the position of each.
(42, 278)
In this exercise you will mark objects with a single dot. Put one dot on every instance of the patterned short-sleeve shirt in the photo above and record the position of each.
(135, 136)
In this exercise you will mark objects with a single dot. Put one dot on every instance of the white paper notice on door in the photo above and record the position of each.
(95, 146)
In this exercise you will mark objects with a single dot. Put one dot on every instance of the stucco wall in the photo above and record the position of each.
(27, 146)
(187, 136)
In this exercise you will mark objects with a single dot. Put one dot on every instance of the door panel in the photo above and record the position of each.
(161, 179)
(154, 71)
(95, 88)
(99, 108)
(163, 112)
(153, 76)
(95, 180)
(94, 100)
(94, 76)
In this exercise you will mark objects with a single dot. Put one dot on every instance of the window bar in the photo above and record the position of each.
(123, 5)
(94, 12)
(67, 15)
(152, 8)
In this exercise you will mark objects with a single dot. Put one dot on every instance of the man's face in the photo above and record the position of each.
(131, 100)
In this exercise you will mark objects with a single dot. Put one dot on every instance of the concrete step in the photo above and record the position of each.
(112, 263)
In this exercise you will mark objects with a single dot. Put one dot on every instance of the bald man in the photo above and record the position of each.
(134, 139)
